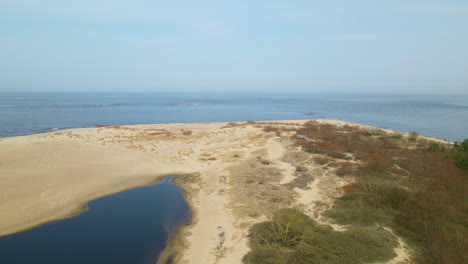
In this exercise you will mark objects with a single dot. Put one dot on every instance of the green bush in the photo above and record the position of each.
(268, 255)
(430, 212)
(384, 194)
(464, 144)
(285, 229)
(461, 159)
(413, 135)
(358, 209)
(433, 147)
(294, 238)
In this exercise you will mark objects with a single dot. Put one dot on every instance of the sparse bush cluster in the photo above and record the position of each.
(186, 132)
(116, 127)
(259, 187)
(334, 140)
(349, 188)
(292, 237)
(321, 159)
(461, 154)
(358, 208)
(233, 124)
(417, 186)
(276, 127)
(208, 159)
(344, 169)
(413, 136)
(377, 162)
(158, 132)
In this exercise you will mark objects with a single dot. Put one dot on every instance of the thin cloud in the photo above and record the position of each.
(156, 40)
(211, 29)
(363, 37)
(437, 9)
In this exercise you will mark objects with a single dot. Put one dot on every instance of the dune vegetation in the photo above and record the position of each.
(412, 185)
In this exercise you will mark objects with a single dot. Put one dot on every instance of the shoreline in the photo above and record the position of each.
(178, 242)
(175, 240)
(51, 176)
(226, 122)
(79, 209)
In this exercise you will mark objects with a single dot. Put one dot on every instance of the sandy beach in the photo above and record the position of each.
(50, 176)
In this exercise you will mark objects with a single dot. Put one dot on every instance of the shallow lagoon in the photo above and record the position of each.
(133, 226)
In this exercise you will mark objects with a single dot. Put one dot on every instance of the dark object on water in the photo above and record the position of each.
(308, 113)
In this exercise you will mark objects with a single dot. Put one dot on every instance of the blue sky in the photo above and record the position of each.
(214, 46)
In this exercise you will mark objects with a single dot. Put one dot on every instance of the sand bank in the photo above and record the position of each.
(49, 176)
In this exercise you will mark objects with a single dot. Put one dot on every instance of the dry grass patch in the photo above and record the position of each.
(295, 157)
(255, 188)
(301, 180)
(321, 159)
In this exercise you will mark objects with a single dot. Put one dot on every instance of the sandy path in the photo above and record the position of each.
(308, 197)
(275, 151)
(214, 239)
(402, 254)
(207, 230)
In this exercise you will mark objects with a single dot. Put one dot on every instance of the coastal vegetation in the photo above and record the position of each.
(402, 182)
(323, 192)
(461, 155)
(292, 237)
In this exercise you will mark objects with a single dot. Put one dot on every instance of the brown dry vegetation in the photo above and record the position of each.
(267, 126)
(401, 181)
(257, 190)
(344, 169)
(321, 159)
(116, 127)
(186, 132)
(156, 132)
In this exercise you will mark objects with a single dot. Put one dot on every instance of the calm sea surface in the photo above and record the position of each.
(444, 116)
(129, 227)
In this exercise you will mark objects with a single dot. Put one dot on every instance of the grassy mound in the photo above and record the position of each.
(292, 237)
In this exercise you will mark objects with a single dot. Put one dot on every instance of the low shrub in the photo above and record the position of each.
(321, 159)
(358, 209)
(349, 188)
(294, 238)
(344, 169)
(377, 163)
(464, 145)
(187, 132)
(434, 147)
(337, 155)
(386, 194)
(461, 159)
(413, 135)
(231, 124)
(270, 128)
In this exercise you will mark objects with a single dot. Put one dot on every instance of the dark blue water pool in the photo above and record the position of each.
(130, 227)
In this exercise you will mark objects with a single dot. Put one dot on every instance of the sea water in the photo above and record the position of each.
(443, 116)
